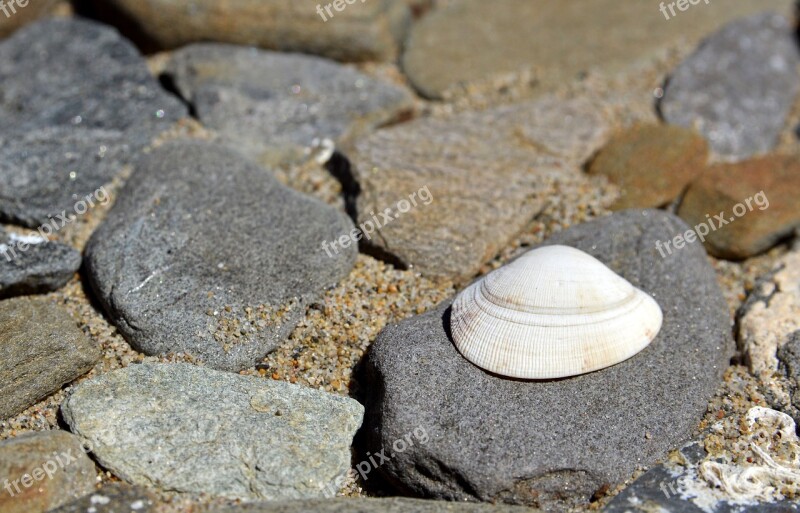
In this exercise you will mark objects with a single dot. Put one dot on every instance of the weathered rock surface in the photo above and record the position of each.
(748, 207)
(389, 505)
(358, 32)
(192, 429)
(552, 444)
(112, 498)
(77, 101)
(19, 16)
(29, 264)
(41, 349)
(471, 40)
(274, 106)
(206, 254)
(651, 165)
(487, 175)
(739, 87)
(52, 464)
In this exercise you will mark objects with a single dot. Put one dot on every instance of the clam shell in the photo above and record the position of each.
(553, 312)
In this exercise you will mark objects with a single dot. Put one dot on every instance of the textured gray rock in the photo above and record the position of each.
(41, 349)
(390, 505)
(42, 471)
(77, 100)
(475, 180)
(112, 498)
(552, 444)
(789, 363)
(193, 429)
(29, 264)
(273, 106)
(206, 254)
(738, 87)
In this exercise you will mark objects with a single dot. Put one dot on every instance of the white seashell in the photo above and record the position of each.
(553, 312)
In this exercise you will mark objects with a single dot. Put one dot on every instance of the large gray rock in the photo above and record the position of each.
(273, 106)
(206, 254)
(193, 429)
(389, 505)
(77, 100)
(553, 443)
(30, 264)
(738, 88)
(41, 349)
(42, 471)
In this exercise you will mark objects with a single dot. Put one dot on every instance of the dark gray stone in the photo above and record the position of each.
(789, 364)
(77, 100)
(206, 254)
(112, 498)
(41, 349)
(552, 444)
(30, 264)
(389, 505)
(738, 87)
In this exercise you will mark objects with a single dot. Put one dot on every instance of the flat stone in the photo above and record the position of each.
(192, 429)
(31, 264)
(737, 89)
(388, 505)
(363, 31)
(473, 40)
(77, 101)
(771, 314)
(274, 106)
(113, 498)
(24, 15)
(41, 349)
(757, 199)
(58, 472)
(652, 164)
(206, 254)
(473, 180)
(553, 444)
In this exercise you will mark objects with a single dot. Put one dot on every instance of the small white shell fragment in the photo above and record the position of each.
(551, 313)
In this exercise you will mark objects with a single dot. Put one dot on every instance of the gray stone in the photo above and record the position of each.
(41, 349)
(112, 498)
(552, 444)
(77, 100)
(31, 264)
(273, 106)
(789, 364)
(58, 472)
(192, 429)
(738, 88)
(389, 505)
(473, 181)
(206, 254)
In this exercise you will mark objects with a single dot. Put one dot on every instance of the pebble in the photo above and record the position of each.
(30, 264)
(42, 349)
(471, 182)
(737, 89)
(208, 256)
(554, 444)
(747, 207)
(113, 498)
(651, 164)
(277, 108)
(191, 429)
(59, 471)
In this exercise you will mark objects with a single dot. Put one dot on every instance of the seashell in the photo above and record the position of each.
(553, 312)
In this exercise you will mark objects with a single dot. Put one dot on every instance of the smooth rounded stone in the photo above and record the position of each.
(473, 40)
(19, 16)
(30, 264)
(553, 444)
(651, 164)
(57, 469)
(771, 314)
(113, 498)
(206, 254)
(737, 89)
(361, 31)
(388, 505)
(41, 349)
(487, 175)
(191, 429)
(274, 107)
(77, 101)
(748, 207)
